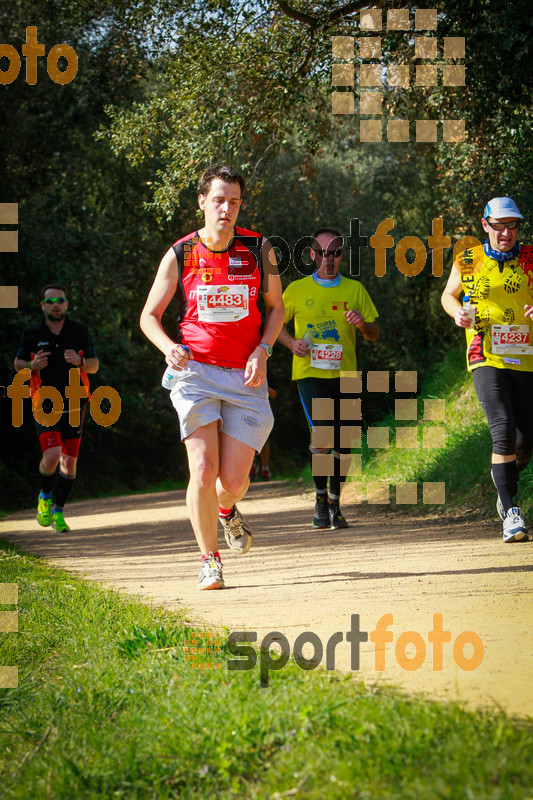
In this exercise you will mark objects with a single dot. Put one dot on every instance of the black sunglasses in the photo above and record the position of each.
(51, 300)
(326, 253)
(500, 226)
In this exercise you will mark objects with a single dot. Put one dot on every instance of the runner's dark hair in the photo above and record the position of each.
(333, 231)
(223, 172)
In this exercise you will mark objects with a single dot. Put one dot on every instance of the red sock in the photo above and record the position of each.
(225, 512)
(209, 555)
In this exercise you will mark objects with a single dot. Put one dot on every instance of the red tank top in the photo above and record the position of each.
(219, 292)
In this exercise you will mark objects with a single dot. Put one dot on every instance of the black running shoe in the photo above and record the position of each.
(321, 518)
(335, 517)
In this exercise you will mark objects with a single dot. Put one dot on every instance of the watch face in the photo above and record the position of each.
(266, 347)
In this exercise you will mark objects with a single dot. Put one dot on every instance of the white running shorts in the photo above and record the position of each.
(204, 393)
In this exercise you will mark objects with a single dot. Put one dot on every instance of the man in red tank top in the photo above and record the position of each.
(218, 273)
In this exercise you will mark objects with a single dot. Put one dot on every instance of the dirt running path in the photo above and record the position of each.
(296, 579)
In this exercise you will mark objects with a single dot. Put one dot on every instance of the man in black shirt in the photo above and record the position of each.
(50, 350)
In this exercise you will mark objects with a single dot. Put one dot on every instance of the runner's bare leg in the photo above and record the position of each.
(202, 502)
(49, 460)
(234, 470)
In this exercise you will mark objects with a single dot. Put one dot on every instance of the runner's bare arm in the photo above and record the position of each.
(450, 299)
(297, 346)
(255, 371)
(76, 359)
(90, 365)
(40, 361)
(370, 330)
(160, 295)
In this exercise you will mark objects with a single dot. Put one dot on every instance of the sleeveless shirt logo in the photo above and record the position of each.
(475, 351)
(526, 262)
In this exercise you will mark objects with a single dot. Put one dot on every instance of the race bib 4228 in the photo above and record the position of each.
(326, 356)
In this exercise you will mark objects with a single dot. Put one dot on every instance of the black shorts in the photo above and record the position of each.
(62, 434)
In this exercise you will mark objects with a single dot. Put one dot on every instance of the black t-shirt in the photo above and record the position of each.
(73, 336)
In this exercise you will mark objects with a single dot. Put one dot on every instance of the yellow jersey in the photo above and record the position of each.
(323, 307)
(502, 336)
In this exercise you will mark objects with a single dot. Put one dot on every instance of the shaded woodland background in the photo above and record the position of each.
(105, 168)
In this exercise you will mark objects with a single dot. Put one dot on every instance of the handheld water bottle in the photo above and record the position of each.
(170, 375)
(308, 336)
(467, 305)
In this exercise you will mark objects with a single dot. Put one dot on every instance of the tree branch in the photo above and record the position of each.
(294, 14)
(346, 10)
(333, 16)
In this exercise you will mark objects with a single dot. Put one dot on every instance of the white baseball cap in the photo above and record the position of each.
(500, 207)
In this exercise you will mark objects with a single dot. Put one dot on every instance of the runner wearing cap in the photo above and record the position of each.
(326, 308)
(498, 278)
(219, 275)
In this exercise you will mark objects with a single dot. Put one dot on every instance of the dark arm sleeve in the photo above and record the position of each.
(24, 349)
(88, 350)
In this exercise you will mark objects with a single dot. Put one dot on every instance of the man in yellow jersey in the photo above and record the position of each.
(326, 308)
(498, 278)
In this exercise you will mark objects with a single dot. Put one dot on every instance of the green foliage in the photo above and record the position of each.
(98, 167)
(82, 223)
(463, 464)
(235, 86)
(236, 80)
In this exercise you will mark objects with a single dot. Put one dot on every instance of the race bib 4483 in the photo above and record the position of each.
(222, 303)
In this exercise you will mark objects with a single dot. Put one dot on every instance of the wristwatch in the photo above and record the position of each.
(266, 347)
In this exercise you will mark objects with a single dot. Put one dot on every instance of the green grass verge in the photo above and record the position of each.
(108, 707)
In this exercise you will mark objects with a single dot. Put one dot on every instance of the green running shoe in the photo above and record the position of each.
(58, 522)
(44, 511)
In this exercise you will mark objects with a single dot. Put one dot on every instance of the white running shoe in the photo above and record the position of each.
(237, 532)
(211, 574)
(514, 527)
